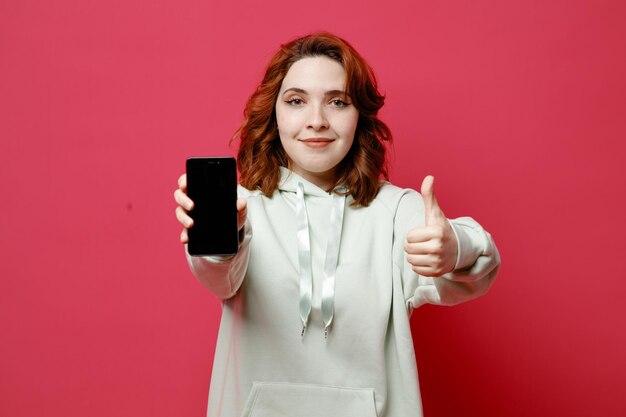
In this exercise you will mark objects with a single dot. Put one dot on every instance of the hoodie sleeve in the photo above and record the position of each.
(222, 275)
(478, 260)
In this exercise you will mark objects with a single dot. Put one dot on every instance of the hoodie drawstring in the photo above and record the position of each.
(304, 258)
(330, 262)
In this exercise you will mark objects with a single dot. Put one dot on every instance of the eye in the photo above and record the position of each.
(294, 101)
(337, 102)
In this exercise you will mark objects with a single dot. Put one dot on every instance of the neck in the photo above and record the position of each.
(324, 180)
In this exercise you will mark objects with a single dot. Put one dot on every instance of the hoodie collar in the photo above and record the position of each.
(289, 181)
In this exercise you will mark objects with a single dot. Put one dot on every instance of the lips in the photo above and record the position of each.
(316, 142)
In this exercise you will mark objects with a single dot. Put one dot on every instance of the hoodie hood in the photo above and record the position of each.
(292, 182)
(289, 181)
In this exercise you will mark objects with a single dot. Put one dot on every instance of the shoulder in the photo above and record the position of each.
(404, 204)
(395, 198)
(243, 192)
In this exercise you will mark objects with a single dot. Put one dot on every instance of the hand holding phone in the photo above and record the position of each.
(185, 204)
(208, 191)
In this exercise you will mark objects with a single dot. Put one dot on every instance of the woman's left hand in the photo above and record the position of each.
(432, 249)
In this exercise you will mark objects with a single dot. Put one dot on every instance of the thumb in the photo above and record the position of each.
(432, 210)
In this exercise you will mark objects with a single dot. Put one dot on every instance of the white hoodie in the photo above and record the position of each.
(365, 367)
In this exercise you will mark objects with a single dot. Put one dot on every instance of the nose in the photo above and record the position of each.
(317, 119)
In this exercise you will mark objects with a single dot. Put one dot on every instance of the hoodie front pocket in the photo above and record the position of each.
(272, 399)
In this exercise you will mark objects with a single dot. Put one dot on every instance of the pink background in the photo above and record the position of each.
(517, 107)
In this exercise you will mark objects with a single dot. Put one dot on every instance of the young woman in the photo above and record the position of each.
(332, 259)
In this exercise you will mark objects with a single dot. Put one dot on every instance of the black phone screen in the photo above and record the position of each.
(212, 186)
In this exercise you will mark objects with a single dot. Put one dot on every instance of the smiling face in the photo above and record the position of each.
(316, 119)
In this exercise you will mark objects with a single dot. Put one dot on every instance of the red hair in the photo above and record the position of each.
(260, 151)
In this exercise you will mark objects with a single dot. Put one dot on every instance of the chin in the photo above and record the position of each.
(318, 169)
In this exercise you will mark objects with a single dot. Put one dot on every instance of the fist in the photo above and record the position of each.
(432, 249)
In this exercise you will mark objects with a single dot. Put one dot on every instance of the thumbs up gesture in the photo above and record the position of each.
(432, 249)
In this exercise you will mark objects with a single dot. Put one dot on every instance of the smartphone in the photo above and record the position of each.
(212, 186)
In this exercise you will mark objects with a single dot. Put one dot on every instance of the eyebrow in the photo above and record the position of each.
(327, 93)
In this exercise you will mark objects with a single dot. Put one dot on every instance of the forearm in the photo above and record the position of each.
(478, 263)
(222, 275)
(477, 266)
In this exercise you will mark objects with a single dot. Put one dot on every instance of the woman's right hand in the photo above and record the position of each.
(185, 204)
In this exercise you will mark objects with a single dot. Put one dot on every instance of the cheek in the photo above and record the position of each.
(287, 125)
(280, 122)
(349, 125)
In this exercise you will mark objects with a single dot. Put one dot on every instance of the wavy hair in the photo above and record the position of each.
(260, 152)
